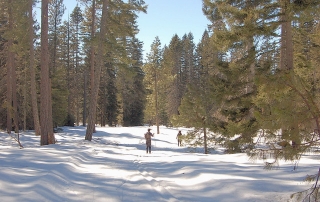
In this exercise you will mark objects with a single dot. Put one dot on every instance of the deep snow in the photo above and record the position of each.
(115, 167)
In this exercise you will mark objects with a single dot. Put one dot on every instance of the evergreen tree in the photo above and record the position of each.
(187, 57)
(56, 11)
(199, 103)
(108, 102)
(3, 52)
(57, 71)
(75, 21)
(283, 96)
(112, 103)
(238, 40)
(89, 27)
(33, 87)
(11, 72)
(165, 81)
(292, 108)
(100, 62)
(15, 59)
(122, 62)
(172, 64)
(17, 48)
(152, 70)
(134, 93)
(117, 97)
(127, 59)
(47, 136)
(65, 74)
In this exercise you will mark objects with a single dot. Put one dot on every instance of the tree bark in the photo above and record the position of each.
(68, 68)
(9, 72)
(92, 51)
(286, 50)
(47, 136)
(14, 97)
(33, 88)
(12, 104)
(205, 140)
(84, 111)
(156, 99)
(25, 100)
(100, 63)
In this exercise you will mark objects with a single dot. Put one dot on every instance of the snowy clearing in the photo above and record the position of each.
(115, 167)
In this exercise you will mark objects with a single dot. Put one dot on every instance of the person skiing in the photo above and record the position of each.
(148, 136)
(179, 138)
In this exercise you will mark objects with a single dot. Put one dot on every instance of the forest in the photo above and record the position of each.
(253, 77)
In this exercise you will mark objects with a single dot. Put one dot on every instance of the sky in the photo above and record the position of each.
(114, 167)
(164, 19)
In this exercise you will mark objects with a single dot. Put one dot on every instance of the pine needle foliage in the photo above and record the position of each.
(259, 94)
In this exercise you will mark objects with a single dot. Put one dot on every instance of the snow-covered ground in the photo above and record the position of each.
(115, 167)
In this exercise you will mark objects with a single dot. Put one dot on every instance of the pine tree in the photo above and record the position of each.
(198, 103)
(120, 52)
(56, 10)
(134, 93)
(293, 87)
(108, 101)
(10, 69)
(100, 62)
(63, 83)
(152, 70)
(112, 103)
(76, 19)
(116, 96)
(3, 53)
(283, 97)
(33, 87)
(172, 64)
(89, 27)
(47, 136)
(16, 56)
(189, 57)
(19, 57)
(59, 87)
(238, 39)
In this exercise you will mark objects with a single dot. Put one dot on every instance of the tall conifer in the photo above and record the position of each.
(153, 70)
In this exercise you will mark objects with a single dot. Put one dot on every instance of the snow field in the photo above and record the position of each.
(115, 167)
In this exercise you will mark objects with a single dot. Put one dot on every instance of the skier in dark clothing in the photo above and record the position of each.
(179, 138)
(148, 136)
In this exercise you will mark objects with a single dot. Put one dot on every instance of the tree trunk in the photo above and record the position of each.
(84, 111)
(14, 98)
(33, 88)
(25, 100)
(68, 69)
(12, 104)
(205, 140)
(156, 99)
(9, 72)
(92, 51)
(47, 136)
(100, 63)
(286, 50)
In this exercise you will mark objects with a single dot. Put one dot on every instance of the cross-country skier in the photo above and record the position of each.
(179, 138)
(148, 136)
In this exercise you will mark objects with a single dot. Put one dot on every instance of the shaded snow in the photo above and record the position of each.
(115, 167)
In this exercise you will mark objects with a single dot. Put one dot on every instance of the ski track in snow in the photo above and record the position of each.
(153, 181)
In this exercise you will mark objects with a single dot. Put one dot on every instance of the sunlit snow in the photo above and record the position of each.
(114, 167)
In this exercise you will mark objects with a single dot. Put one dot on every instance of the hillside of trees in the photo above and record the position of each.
(254, 76)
